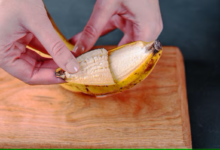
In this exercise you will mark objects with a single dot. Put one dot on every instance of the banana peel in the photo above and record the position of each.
(107, 72)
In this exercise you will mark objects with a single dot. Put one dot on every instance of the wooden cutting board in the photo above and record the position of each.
(153, 114)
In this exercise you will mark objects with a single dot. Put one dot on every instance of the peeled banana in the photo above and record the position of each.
(105, 72)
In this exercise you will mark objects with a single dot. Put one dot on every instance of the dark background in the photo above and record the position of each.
(193, 26)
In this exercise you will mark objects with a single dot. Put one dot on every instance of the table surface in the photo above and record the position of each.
(153, 114)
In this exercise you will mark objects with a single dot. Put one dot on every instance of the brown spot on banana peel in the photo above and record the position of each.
(150, 66)
(88, 91)
(77, 87)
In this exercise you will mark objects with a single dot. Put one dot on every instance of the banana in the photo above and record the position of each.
(107, 72)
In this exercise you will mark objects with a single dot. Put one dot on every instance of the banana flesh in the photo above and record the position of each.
(126, 59)
(94, 69)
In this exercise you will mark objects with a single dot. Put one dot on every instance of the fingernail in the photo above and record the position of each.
(79, 48)
(75, 48)
(72, 66)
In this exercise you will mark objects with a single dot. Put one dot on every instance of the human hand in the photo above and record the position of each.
(25, 22)
(138, 19)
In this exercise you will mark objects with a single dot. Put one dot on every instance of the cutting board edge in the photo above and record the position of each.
(184, 100)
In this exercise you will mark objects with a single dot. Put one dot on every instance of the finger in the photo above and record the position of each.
(50, 62)
(26, 39)
(30, 40)
(135, 31)
(35, 43)
(39, 73)
(146, 32)
(43, 30)
(75, 38)
(32, 57)
(127, 28)
(101, 14)
(118, 22)
(108, 28)
(124, 25)
(125, 39)
(34, 54)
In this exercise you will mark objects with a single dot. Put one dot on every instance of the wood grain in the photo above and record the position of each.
(153, 114)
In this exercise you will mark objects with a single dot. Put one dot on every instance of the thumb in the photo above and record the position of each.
(43, 30)
(100, 16)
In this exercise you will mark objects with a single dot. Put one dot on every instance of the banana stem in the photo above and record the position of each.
(155, 47)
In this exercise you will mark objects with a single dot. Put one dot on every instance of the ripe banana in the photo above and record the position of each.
(106, 72)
